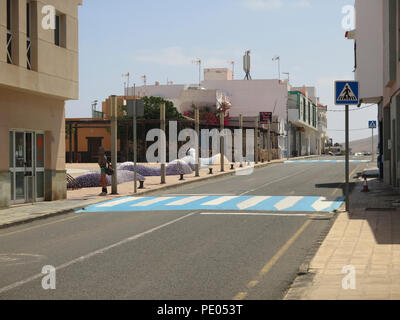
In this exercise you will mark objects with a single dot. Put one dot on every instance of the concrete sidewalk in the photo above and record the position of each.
(368, 240)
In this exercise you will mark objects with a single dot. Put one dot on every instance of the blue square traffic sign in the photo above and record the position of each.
(346, 92)
(372, 124)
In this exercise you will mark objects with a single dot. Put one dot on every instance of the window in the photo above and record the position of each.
(300, 106)
(309, 112)
(60, 32)
(304, 109)
(57, 32)
(355, 56)
(389, 40)
(314, 116)
(398, 27)
(28, 37)
(9, 33)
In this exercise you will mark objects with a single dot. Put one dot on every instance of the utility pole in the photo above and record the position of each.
(197, 128)
(269, 141)
(135, 147)
(162, 150)
(114, 143)
(222, 141)
(256, 126)
(287, 132)
(241, 130)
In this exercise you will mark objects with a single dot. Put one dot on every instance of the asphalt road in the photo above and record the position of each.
(178, 254)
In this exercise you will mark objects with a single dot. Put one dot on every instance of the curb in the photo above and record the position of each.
(42, 217)
(305, 266)
(167, 187)
(303, 277)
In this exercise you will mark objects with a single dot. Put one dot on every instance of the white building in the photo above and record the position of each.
(377, 68)
(249, 98)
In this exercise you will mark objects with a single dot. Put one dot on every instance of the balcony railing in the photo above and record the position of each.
(28, 54)
(9, 47)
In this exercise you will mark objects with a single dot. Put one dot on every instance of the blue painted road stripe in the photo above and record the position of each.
(214, 203)
(326, 161)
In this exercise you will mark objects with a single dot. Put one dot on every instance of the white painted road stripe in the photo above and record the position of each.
(288, 203)
(118, 202)
(253, 201)
(150, 202)
(321, 204)
(252, 214)
(217, 202)
(184, 201)
(94, 253)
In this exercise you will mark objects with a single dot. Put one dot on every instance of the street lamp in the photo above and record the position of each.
(94, 105)
(288, 76)
(198, 61)
(278, 58)
(126, 75)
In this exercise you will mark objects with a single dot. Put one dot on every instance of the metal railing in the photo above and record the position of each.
(28, 53)
(9, 47)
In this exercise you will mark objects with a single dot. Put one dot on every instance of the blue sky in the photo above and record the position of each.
(159, 38)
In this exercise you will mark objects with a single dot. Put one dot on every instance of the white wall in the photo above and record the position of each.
(218, 74)
(163, 91)
(252, 97)
(369, 40)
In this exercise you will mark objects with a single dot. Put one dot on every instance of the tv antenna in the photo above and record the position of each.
(126, 84)
(246, 65)
(144, 78)
(232, 63)
(94, 105)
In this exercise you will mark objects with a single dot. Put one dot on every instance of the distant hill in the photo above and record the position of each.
(363, 145)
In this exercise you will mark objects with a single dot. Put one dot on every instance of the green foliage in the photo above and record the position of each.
(152, 109)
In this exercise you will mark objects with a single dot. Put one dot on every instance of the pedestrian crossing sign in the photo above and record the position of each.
(372, 124)
(347, 92)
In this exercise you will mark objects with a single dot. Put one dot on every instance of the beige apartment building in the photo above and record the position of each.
(38, 73)
(377, 68)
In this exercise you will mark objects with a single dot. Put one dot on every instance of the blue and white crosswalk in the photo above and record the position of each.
(326, 161)
(223, 203)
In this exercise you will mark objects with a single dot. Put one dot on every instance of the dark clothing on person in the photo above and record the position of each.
(103, 161)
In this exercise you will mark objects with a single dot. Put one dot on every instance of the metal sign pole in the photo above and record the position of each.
(347, 93)
(347, 188)
(372, 152)
(197, 127)
(134, 147)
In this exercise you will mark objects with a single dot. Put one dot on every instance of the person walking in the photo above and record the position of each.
(103, 162)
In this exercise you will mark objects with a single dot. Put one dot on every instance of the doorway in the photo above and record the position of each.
(27, 166)
(93, 149)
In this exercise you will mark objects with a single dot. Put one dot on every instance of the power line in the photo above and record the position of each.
(357, 109)
(350, 129)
